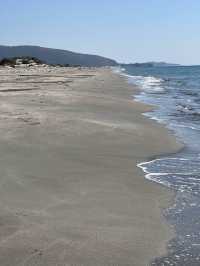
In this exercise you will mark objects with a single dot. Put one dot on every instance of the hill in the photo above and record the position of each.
(55, 56)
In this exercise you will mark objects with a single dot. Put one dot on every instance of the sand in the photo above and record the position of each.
(70, 189)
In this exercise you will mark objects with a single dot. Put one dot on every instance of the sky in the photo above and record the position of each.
(128, 30)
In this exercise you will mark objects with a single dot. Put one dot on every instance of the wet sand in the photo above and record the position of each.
(70, 189)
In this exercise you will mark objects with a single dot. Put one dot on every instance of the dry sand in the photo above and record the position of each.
(70, 190)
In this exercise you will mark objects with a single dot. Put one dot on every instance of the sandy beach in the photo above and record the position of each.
(70, 189)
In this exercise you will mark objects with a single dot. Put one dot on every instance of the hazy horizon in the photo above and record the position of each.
(132, 31)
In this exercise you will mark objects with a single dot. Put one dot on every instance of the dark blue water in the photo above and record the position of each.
(176, 92)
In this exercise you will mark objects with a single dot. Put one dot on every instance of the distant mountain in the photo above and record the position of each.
(151, 64)
(55, 56)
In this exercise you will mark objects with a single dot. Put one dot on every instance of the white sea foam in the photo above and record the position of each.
(117, 69)
(151, 176)
(160, 120)
(149, 83)
(182, 180)
(187, 126)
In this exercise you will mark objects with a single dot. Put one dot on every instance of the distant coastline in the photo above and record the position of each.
(150, 64)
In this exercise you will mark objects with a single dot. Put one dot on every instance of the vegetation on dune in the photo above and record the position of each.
(26, 60)
(7, 62)
(29, 61)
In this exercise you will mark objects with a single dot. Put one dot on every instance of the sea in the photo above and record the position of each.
(175, 90)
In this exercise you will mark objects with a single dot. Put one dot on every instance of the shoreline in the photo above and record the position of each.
(179, 148)
(178, 110)
(137, 91)
(81, 199)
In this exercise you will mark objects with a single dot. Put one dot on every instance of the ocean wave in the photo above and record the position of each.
(149, 84)
(186, 126)
(188, 110)
(190, 93)
(178, 173)
(155, 118)
(118, 69)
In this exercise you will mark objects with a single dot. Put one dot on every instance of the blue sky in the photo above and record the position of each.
(128, 31)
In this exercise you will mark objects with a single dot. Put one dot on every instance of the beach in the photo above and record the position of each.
(70, 189)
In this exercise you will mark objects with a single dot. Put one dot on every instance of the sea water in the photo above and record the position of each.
(176, 93)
